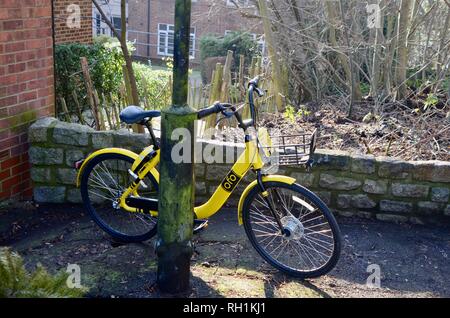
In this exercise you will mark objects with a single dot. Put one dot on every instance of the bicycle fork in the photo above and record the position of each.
(265, 195)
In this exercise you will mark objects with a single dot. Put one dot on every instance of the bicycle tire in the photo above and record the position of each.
(250, 227)
(117, 234)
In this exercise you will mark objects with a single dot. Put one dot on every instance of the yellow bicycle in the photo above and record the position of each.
(288, 225)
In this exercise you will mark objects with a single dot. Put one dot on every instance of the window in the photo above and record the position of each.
(261, 44)
(117, 23)
(166, 37)
(98, 24)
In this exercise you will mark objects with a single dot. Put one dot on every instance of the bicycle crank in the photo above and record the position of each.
(145, 204)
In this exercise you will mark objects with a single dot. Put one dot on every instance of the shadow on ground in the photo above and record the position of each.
(413, 259)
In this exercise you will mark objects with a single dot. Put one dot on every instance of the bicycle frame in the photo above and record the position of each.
(249, 159)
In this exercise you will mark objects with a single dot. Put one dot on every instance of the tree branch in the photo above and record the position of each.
(107, 21)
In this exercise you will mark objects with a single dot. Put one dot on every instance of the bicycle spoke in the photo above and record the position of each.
(309, 247)
(106, 182)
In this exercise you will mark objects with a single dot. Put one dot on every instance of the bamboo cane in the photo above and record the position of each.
(89, 90)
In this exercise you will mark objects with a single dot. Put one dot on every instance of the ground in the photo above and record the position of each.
(414, 260)
(398, 132)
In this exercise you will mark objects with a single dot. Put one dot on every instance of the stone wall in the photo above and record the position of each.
(352, 185)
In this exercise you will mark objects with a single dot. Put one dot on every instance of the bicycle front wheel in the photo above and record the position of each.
(105, 178)
(308, 242)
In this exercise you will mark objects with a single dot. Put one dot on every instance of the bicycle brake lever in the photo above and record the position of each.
(226, 115)
(259, 92)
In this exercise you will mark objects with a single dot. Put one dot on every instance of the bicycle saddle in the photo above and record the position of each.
(135, 114)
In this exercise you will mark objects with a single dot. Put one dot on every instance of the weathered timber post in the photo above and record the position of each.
(280, 76)
(176, 194)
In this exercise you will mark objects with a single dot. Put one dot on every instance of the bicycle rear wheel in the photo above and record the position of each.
(104, 179)
(309, 243)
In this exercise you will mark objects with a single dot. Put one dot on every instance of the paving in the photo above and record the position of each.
(413, 260)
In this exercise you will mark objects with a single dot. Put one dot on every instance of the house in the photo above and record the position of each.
(112, 9)
(151, 24)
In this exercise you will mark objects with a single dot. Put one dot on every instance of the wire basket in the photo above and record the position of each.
(286, 150)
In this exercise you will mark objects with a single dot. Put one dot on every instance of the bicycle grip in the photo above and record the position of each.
(202, 113)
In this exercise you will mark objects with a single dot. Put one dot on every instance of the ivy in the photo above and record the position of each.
(105, 61)
(238, 42)
(153, 85)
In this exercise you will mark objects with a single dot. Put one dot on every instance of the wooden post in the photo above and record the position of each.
(115, 112)
(126, 80)
(107, 112)
(99, 109)
(65, 110)
(90, 91)
(279, 77)
(226, 77)
(214, 95)
(130, 98)
(77, 104)
(122, 97)
(176, 194)
(226, 81)
(242, 89)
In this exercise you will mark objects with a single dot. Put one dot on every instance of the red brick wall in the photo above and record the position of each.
(64, 34)
(26, 86)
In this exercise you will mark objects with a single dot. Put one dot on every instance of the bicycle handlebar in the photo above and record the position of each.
(253, 87)
(213, 109)
(222, 107)
(254, 82)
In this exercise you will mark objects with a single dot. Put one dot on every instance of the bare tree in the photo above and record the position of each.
(329, 50)
(404, 22)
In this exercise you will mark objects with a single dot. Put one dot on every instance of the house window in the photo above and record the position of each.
(117, 23)
(166, 37)
(98, 24)
(261, 44)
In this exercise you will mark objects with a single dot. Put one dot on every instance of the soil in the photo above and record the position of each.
(413, 259)
(400, 131)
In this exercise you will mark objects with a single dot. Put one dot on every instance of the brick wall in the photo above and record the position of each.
(208, 16)
(64, 34)
(26, 86)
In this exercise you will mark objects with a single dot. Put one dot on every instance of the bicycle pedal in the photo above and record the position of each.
(200, 225)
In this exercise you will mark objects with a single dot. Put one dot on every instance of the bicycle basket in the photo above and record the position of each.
(287, 150)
